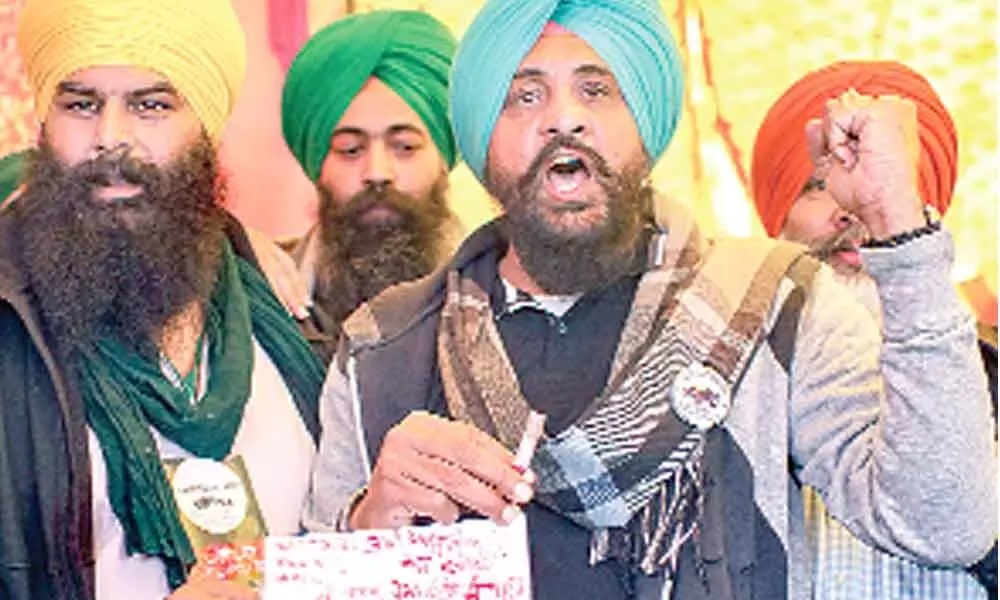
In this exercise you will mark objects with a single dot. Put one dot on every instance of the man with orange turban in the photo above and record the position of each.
(798, 201)
(789, 200)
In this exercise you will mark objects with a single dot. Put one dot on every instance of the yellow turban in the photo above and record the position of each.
(198, 45)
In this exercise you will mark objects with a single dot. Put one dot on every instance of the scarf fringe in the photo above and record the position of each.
(654, 537)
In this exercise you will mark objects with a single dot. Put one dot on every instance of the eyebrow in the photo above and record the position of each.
(593, 70)
(72, 87)
(157, 88)
(587, 69)
(79, 89)
(392, 130)
(529, 72)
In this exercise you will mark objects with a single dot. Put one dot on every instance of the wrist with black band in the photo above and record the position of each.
(933, 225)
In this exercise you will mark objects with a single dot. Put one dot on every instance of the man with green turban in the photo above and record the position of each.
(142, 355)
(365, 112)
(689, 388)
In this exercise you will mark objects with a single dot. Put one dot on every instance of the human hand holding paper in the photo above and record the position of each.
(439, 468)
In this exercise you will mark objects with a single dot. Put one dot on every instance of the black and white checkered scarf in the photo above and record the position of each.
(628, 469)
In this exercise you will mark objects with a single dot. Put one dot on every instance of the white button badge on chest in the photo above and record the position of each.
(700, 396)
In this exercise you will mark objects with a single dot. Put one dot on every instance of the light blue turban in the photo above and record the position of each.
(630, 35)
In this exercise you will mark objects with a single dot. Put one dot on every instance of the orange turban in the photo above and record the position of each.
(781, 167)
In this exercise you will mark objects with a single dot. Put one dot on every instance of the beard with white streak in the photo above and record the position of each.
(859, 282)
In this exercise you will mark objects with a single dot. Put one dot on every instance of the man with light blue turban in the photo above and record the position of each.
(631, 36)
(687, 387)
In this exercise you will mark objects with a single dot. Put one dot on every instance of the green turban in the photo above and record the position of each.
(409, 51)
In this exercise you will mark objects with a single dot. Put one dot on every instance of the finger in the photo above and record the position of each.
(397, 491)
(422, 500)
(450, 487)
(845, 135)
(849, 98)
(911, 129)
(857, 127)
(833, 125)
(852, 99)
(471, 450)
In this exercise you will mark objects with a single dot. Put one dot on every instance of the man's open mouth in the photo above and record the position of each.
(567, 173)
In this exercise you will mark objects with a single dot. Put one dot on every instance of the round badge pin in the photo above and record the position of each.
(700, 396)
(210, 495)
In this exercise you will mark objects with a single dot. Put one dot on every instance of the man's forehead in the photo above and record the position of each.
(562, 52)
(378, 109)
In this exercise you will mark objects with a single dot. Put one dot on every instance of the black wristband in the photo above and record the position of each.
(933, 220)
(901, 238)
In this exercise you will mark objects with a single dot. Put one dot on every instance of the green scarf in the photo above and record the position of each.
(126, 393)
(11, 169)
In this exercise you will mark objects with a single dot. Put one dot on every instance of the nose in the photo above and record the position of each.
(113, 130)
(565, 116)
(379, 170)
(843, 219)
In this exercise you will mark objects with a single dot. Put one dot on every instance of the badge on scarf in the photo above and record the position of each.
(700, 396)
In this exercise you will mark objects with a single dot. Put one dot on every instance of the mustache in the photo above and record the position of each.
(115, 166)
(847, 239)
(376, 197)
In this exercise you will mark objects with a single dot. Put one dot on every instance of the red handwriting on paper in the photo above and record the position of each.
(364, 592)
(420, 564)
(511, 588)
(474, 562)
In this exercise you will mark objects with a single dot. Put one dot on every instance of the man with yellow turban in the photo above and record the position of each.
(365, 112)
(676, 420)
(795, 204)
(138, 339)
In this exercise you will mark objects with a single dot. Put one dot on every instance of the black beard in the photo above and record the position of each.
(119, 269)
(359, 259)
(566, 263)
